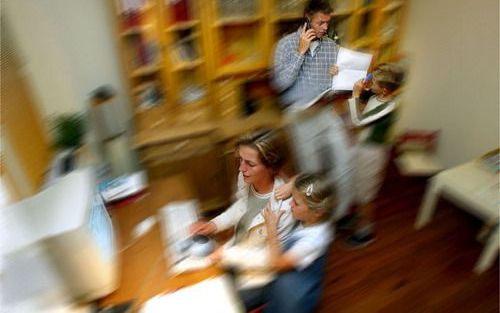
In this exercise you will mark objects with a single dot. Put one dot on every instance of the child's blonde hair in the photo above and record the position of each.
(389, 75)
(317, 192)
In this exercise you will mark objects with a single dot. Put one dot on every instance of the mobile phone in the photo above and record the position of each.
(307, 24)
(368, 77)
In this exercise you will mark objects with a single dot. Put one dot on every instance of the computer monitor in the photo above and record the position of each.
(59, 244)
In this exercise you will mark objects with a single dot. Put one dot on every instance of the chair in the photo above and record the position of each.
(475, 189)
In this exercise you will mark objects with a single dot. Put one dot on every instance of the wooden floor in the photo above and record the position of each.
(405, 270)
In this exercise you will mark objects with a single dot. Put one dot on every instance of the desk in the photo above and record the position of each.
(476, 190)
(143, 268)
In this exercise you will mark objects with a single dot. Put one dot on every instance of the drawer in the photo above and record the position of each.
(193, 115)
(228, 95)
(150, 118)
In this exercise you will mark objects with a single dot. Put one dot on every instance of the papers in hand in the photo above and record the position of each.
(213, 295)
(353, 66)
(123, 186)
(324, 96)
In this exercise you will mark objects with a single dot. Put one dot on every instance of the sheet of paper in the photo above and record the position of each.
(213, 295)
(353, 66)
(299, 107)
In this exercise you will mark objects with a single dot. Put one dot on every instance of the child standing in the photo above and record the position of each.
(301, 261)
(372, 147)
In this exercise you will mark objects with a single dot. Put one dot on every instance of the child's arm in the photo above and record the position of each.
(278, 260)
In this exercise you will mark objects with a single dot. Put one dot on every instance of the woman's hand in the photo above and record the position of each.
(334, 70)
(306, 36)
(203, 228)
(284, 191)
(216, 256)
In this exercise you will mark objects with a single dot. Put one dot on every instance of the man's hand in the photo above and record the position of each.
(306, 36)
(334, 70)
(203, 228)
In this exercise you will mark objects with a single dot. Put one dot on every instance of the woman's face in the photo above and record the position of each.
(251, 167)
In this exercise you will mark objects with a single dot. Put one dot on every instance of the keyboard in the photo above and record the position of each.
(176, 217)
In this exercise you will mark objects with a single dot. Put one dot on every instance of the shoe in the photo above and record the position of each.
(347, 222)
(357, 241)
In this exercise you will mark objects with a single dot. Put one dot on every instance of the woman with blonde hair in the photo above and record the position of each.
(261, 156)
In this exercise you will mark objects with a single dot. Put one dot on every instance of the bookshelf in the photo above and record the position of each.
(186, 60)
(142, 61)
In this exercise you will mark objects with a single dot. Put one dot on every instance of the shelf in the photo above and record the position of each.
(136, 30)
(145, 8)
(141, 109)
(195, 103)
(237, 20)
(182, 25)
(140, 88)
(239, 68)
(145, 70)
(387, 41)
(342, 13)
(188, 38)
(392, 6)
(363, 42)
(366, 9)
(287, 17)
(187, 65)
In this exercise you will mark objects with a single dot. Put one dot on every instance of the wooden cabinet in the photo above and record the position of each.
(180, 54)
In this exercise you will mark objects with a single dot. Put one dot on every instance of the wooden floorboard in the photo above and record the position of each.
(406, 270)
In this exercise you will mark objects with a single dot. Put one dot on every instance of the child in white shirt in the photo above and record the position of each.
(300, 261)
(372, 146)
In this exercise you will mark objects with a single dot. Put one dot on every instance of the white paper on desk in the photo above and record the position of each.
(353, 66)
(214, 295)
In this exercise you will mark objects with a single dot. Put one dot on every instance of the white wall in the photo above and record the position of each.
(69, 47)
(453, 50)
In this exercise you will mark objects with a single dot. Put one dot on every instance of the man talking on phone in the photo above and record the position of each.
(304, 61)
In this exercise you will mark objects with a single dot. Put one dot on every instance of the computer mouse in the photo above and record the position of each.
(201, 246)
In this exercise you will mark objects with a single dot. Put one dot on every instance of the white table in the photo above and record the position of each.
(474, 189)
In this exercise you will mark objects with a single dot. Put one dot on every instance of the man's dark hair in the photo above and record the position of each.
(314, 6)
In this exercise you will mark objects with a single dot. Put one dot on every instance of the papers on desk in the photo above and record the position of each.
(214, 295)
(123, 186)
(353, 66)
(176, 218)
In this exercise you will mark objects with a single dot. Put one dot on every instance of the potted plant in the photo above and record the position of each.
(68, 131)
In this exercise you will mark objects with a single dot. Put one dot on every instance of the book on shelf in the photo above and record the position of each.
(184, 52)
(150, 97)
(192, 93)
(147, 52)
(127, 6)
